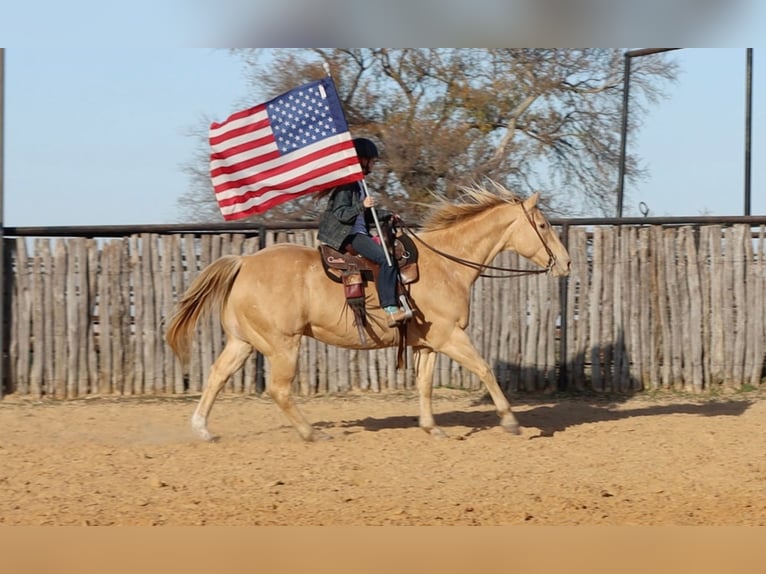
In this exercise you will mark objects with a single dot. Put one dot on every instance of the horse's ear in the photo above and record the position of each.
(531, 201)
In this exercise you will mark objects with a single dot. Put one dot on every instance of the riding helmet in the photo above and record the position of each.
(365, 148)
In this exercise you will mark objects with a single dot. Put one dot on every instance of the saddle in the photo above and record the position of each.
(405, 253)
(351, 269)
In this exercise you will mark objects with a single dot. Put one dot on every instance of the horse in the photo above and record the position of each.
(269, 300)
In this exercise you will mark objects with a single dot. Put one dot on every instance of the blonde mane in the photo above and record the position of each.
(475, 199)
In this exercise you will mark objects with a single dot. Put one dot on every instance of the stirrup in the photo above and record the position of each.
(406, 306)
(400, 315)
(397, 317)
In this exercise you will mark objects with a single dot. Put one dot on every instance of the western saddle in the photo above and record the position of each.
(352, 269)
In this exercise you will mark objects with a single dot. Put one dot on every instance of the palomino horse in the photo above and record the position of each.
(269, 300)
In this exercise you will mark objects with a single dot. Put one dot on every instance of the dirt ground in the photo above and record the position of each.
(670, 460)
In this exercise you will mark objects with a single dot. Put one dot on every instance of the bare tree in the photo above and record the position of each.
(530, 119)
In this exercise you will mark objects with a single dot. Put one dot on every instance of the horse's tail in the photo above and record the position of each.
(211, 286)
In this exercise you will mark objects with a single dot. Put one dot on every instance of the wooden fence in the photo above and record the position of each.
(645, 307)
(666, 307)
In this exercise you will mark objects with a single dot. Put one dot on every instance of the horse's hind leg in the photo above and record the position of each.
(283, 367)
(231, 358)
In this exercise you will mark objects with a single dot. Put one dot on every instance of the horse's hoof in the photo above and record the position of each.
(514, 429)
(318, 436)
(199, 428)
(435, 432)
(206, 436)
(509, 423)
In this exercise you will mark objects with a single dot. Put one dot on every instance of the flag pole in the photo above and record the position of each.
(377, 225)
(367, 194)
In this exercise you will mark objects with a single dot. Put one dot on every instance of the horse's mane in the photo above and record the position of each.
(474, 199)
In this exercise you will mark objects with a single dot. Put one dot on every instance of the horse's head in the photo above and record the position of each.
(534, 238)
(504, 222)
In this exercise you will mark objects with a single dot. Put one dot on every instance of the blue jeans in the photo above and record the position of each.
(386, 283)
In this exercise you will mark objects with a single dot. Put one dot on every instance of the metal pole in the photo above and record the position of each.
(2, 225)
(623, 133)
(748, 126)
(563, 379)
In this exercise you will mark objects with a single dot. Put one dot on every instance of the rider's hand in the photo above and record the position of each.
(369, 201)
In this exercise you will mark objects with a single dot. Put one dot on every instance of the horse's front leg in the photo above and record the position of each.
(460, 349)
(425, 359)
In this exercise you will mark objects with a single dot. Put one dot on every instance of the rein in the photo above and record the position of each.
(481, 267)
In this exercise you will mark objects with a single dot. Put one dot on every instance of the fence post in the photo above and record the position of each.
(6, 276)
(260, 375)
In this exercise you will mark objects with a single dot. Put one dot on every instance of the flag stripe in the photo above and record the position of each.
(237, 119)
(242, 155)
(282, 181)
(295, 144)
(267, 166)
(268, 198)
(243, 130)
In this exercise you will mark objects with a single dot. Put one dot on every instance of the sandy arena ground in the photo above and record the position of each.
(671, 460)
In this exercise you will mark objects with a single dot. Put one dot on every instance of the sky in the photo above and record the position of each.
(99, 135)
(693, 143)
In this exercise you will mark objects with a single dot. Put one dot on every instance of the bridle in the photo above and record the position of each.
(481, 267)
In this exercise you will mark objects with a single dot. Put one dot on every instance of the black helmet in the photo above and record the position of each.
(365, 148)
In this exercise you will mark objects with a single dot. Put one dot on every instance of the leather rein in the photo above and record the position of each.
(481, 267)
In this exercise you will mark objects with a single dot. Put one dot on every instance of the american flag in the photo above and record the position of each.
(293, 145)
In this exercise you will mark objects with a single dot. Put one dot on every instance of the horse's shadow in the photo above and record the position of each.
(550, 419)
